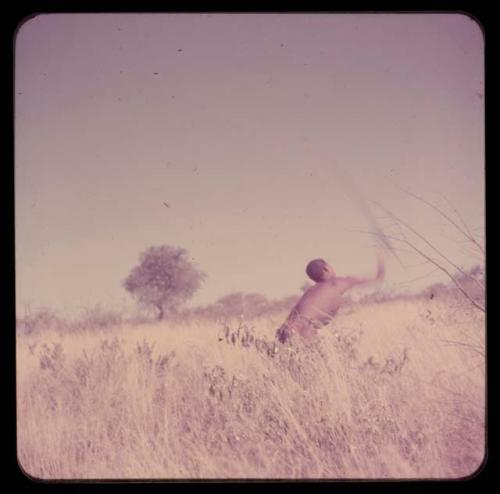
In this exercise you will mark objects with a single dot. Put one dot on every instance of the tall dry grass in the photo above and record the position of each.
(390, 390)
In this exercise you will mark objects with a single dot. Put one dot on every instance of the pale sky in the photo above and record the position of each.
(245, 125)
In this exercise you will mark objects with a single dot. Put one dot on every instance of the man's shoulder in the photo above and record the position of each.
(342, 283)
(340, 280)
(339, 284)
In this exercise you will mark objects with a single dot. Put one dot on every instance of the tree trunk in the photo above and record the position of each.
(160, 312)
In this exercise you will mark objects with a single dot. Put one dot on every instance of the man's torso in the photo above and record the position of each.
(320, 301)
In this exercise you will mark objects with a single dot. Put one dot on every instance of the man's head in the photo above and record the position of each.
(319, 270)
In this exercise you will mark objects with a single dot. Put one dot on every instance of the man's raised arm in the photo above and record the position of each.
(351, 281)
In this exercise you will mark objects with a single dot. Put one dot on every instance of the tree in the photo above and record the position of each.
(471, 284)
(164, 279)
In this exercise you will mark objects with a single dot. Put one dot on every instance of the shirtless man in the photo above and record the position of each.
(321, 302)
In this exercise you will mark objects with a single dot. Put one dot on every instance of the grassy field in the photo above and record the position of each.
(389, 390)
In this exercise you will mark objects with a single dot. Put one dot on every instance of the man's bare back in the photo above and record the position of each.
(319, 304)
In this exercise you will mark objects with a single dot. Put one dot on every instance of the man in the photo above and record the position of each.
(319, 304)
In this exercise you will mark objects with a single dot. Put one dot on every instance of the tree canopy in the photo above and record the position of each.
(165, 278)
